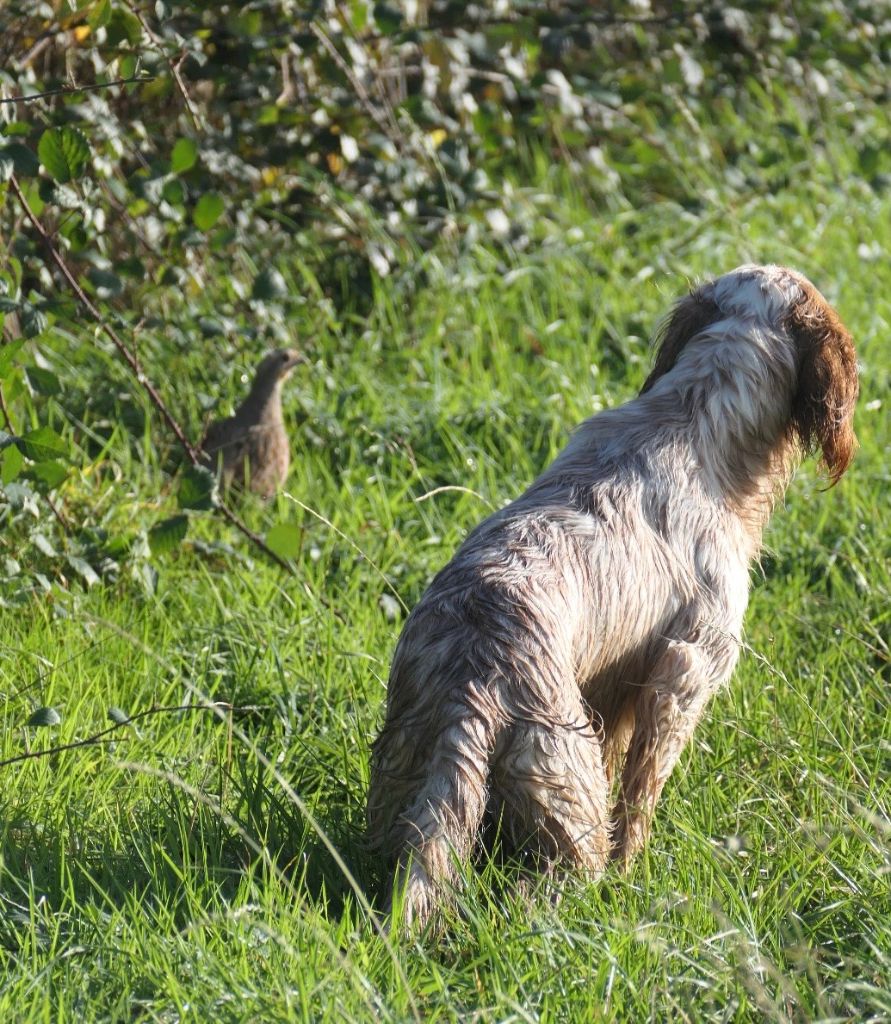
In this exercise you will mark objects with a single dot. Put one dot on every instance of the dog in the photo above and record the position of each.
(579, 632)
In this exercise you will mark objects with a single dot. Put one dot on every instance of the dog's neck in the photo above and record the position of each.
(719, 415)
(732, 390)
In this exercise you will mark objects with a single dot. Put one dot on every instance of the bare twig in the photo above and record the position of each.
(116, 340)
(386, 124)
(173, 65)
(217, 707)
(58, 513)
(129, 357)
(64, 89)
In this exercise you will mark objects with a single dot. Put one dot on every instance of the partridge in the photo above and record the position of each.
(251, 449)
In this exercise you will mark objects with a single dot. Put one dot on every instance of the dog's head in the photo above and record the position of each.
(822, 353)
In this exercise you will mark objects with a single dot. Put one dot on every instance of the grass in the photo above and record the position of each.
(211, 867)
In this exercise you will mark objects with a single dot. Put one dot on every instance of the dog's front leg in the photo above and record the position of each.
(666, 713)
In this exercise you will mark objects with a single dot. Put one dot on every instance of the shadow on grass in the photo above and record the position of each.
(182, 850)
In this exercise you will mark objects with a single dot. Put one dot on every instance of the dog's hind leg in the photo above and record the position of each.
(666, 713)
(551, 777)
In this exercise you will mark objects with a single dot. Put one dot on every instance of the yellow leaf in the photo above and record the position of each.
(81, 33)
(335, 162)
(270, 175)
(438, 137)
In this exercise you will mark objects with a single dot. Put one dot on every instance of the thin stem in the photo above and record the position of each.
(66, 89)
(99, 737)
(173, 65)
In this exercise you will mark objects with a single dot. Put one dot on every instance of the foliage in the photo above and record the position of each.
(276, 120)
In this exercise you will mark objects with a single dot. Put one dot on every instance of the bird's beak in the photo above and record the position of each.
(294, 357)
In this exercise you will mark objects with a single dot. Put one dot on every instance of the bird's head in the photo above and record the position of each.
(276, 366)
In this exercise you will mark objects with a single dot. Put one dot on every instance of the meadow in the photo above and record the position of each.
(205, 861)
(208, 865)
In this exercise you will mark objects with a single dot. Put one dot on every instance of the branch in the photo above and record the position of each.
(99, 737)
(129, 357)
(109, 331)
(66, 89)
(173, 65)
(386, 124)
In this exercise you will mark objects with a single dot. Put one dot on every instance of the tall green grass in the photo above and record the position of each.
(207, 866)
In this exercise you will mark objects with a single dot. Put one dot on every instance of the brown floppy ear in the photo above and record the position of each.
(823, 407)
(690, 315)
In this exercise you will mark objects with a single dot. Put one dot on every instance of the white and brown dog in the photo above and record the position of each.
(585, 626)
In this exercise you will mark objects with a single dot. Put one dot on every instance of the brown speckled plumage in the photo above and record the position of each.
(251, 448)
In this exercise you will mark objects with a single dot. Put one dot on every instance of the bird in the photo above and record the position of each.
(251, 450)
(556, 668)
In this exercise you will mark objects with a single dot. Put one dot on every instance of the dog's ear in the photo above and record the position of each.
(690, 316)
(823, 406)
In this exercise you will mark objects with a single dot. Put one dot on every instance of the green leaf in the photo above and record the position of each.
(197, 488)
(15, 128)
(128, 65)
(167, 535)
(123, 26)
(42, 444)
(184, 156)
(208, 211)
(8, 352)
(44, 382)
(269, 284)
(388, 19)
(11, 462)
(45, 717)
(49, 473)
(43, 545)
(24, 163)
(105, 282)
(100, 15)
(120, 717)
(285, 540)
(174, 192)
(32, 320)
(64, 152)
(83, 569)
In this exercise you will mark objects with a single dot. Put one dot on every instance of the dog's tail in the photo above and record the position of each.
(429, 826)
